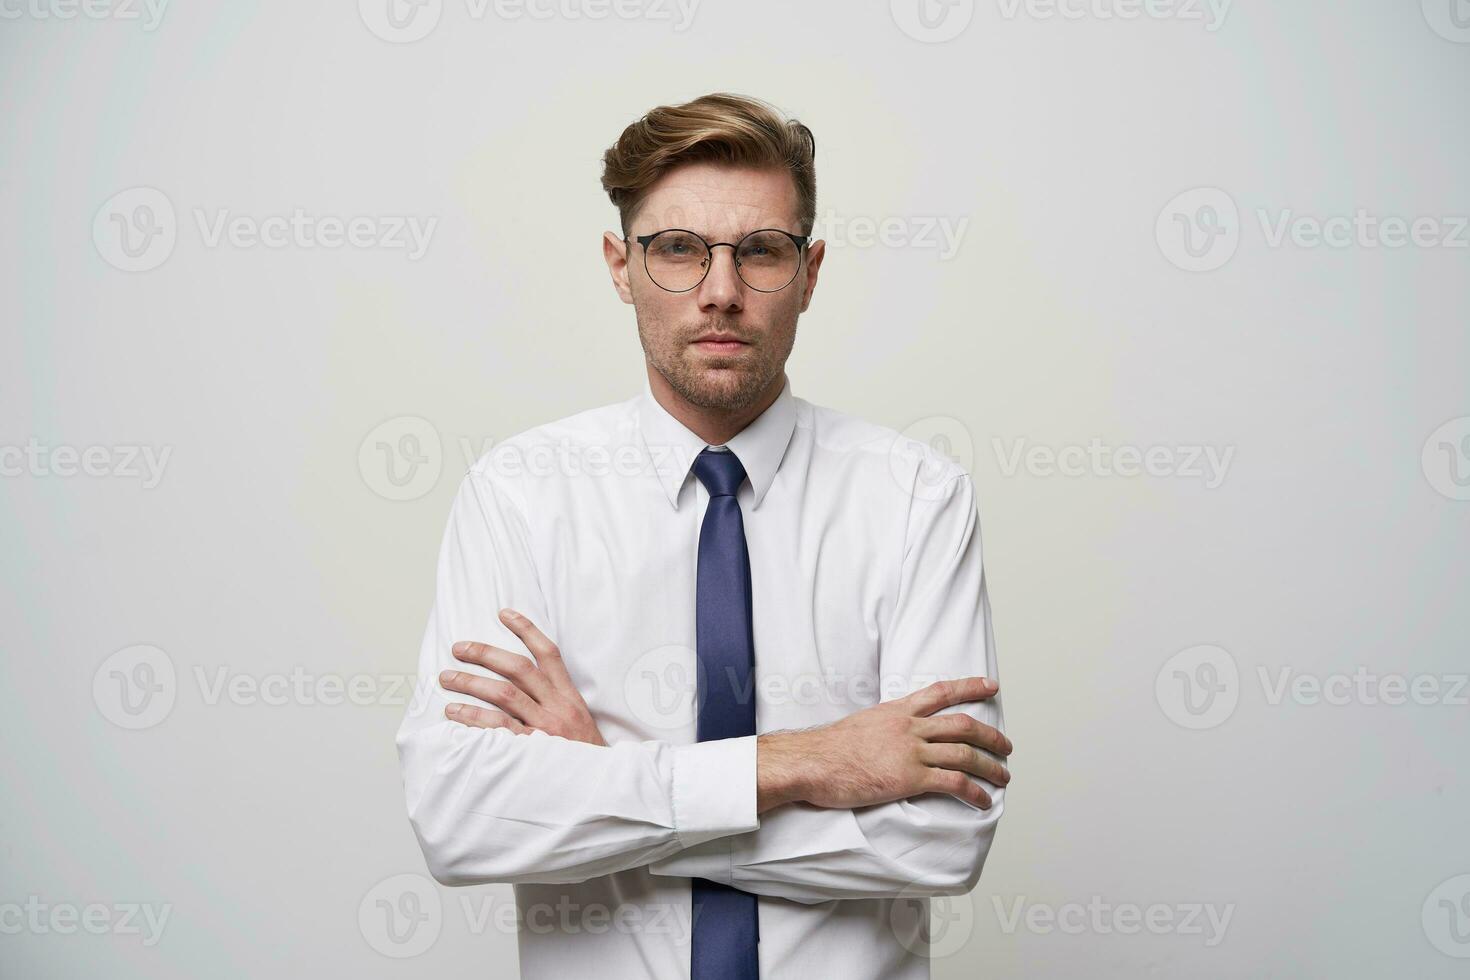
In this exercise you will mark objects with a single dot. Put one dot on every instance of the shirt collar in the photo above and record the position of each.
(760, 446)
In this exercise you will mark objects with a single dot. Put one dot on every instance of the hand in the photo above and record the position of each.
(891, 751)
(535, 695)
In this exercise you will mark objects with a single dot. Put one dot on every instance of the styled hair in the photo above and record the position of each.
(715, 128)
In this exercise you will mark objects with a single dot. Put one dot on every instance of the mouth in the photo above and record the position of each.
(719, 343)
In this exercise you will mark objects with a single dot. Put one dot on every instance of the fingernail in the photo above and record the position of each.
(510, 614)
(452, 711)
(447, 676)
(990, 685)
(461, 646)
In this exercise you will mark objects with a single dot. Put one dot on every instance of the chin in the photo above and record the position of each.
(715, 388)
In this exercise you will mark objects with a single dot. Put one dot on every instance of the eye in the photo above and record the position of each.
(676, 246)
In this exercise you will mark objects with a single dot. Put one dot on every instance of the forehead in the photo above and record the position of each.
(719, 200)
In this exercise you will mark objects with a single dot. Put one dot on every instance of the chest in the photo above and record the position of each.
(620, 574)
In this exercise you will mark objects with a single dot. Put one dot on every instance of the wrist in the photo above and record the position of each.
(780, 770)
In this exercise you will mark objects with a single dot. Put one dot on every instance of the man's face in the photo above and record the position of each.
(722, 203)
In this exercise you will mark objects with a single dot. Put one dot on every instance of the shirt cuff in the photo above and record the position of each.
(714, 790)
(793, 832)
(713, 860)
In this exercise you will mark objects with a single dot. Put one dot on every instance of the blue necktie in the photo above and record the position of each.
(726, 926)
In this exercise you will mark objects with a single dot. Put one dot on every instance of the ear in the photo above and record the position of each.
(615, 252)
(814, 254)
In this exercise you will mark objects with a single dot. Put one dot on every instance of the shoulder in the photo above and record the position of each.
(566, 444)
(917, 462)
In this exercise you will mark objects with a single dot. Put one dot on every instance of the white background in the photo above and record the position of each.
(1333, 544)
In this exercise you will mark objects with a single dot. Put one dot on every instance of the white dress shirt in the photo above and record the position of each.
(867, 584)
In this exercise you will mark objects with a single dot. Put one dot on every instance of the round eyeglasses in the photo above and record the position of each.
(766, 260)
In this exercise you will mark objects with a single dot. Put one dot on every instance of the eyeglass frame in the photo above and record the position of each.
(801, 241)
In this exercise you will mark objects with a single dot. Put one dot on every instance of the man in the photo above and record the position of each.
(758, 727)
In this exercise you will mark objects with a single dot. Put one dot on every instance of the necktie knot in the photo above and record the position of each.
(720, 472)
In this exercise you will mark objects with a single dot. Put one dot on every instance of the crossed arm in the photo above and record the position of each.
(513, 781)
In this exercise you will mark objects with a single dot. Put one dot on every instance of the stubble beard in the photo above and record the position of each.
(720, 383)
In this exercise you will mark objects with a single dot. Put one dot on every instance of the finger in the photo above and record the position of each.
(514, 667)
(547, 653)
(958, 785)
(964, 758)
(469, 715)
(942, 694)
(503, 694)
(960, 727)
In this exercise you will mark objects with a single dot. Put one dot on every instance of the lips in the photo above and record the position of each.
(715, 338)
(721, 347)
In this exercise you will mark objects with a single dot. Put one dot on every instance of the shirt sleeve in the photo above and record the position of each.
(488, 805)
(934, 844)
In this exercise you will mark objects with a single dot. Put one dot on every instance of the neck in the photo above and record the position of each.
(714, 425)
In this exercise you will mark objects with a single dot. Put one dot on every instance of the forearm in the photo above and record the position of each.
(811, 855)
(931, 844)
(488, 805)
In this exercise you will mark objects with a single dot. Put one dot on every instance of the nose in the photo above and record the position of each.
(722, 287)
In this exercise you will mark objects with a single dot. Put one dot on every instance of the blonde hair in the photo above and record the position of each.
(717, 128)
